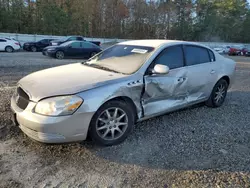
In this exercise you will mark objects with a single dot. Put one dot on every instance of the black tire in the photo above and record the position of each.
(9, 49)
(212, 101)
(95, 135)
(33, 49)
(59, 55)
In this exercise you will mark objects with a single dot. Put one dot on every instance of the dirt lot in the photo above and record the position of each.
(196, 147)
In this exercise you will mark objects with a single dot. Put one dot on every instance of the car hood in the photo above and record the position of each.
(65, 80)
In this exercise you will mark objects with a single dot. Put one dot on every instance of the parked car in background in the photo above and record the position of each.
(37, 46)
(9, 45)
(71, 38)
(76, 49)
(220, 50)
(243, 51)
(226, 49)
(235, 51)
(248, 51)
(124, 84)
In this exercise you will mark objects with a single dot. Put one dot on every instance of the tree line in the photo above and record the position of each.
(195, 20)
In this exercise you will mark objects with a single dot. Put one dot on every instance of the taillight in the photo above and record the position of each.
(16, 43)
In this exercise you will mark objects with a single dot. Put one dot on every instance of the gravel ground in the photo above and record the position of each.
(195, 147)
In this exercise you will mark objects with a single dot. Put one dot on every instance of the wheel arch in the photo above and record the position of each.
(127, 100)
(9, 46)
(225, 77)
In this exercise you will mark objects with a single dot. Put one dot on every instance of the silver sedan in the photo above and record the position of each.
(129, 82)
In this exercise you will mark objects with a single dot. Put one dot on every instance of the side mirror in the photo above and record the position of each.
(160, 69)
(69, 46)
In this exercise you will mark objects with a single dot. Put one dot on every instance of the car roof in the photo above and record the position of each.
(156, 43)
(74, 36)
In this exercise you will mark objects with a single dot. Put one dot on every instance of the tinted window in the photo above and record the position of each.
(196, 55)
(76, 45)
(211, 54)
(87, 45)
(44, 41)
(172, 57)
(2, 40)
(79, 38)
(72, 38)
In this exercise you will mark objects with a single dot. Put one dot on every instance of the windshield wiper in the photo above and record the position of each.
(100, 67)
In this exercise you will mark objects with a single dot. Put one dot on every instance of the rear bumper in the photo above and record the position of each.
(46, 129)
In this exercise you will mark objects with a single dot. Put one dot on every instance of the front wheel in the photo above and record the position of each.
(112, 123)
(59, 55)
(33, 49)
(218, 94)
(9, 49)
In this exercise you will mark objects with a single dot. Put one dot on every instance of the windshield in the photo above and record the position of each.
(125, 59)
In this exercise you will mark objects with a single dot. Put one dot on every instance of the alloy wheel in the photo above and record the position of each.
(112, 123)
(220, 94)
(59, 55)
(33, 49)
(9, 49)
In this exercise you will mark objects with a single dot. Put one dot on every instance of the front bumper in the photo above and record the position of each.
(47, 129)
(49, 53)
(26, 47)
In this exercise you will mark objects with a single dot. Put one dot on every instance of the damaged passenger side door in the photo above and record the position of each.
(165, 92)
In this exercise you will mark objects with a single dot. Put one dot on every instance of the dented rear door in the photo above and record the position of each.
(167, 92)
(201, 73)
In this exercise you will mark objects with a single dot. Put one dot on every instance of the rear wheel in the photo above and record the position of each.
(218, 94)
(112, 123)
(33, 49)
(9, 49)
(59, 55)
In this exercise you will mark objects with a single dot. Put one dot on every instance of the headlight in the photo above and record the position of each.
(51, 50)
(58, 106)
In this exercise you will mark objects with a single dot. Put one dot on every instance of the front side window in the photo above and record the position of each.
(196, 55)
(76, 45)
(171, 57)
(44, 41)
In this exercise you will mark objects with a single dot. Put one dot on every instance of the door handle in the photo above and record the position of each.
(212, 72)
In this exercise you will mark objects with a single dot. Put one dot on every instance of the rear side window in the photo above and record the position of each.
(79, 38)
(172, 57)
(72, 38)
(88, 45)
(211, 54)
(196, 55)
(2, 40)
